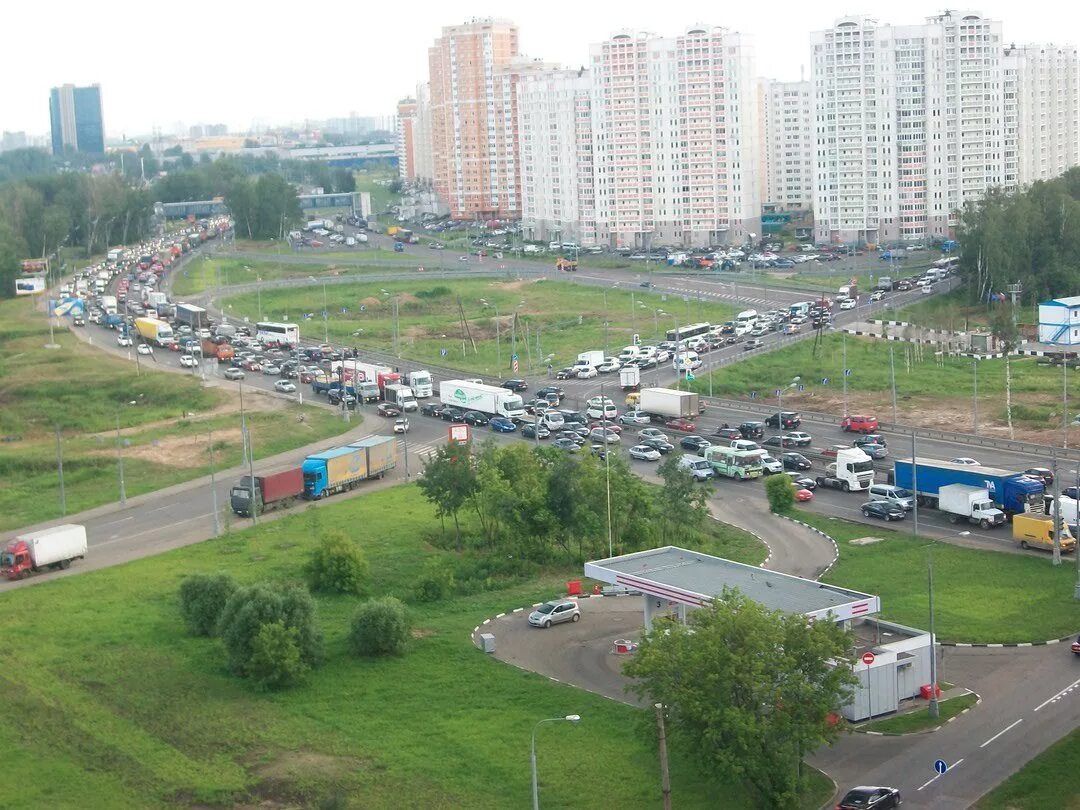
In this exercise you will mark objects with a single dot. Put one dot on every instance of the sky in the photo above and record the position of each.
(260, 64)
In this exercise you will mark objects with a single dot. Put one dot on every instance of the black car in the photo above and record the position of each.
(574, 416)
(516, 386)
(870, 798)
(802, 481)
(532, 431)
(1041, 474)
(695, 443)
(795, 461)
(752, 430)
(452, 413)
(566, 444)
(784, 419)
(776, 441)
(475, 418)
(663, 446)
(870, 438)
(335, 397)
(565, 374)
(646, 362)
(547, 391)
(728, 433)
(432, 408)
(883, 510)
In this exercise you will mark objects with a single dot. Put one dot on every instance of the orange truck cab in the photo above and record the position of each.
(859, 424)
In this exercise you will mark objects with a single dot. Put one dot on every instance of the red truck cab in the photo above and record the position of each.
(859, 424)
(16, 561)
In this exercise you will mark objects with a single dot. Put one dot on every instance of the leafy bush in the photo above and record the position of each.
(202, 598)
(275, 658)
(338, 565)
(249, 609)
(780, 490)
(435, 292)
(436, 582)
(379, 627)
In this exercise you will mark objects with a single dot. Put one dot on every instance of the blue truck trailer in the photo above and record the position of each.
(344, 468)
(1012, 492)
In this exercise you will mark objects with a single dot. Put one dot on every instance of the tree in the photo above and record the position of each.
(380, 627)
(202, 599)
(1003, 328)
(448, 482)
(240, 199)
(747, 690)
(344, 181)
(780, 490)
(338, 565)
(682, 504)
(275, 661)
(251, 607)
(436, 581)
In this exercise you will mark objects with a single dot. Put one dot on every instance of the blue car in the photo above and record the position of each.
(503, 425)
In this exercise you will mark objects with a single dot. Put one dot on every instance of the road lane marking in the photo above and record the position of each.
(118, 520)
(939, 775)
(1018, 722)
(154, 529)
(1059, 695)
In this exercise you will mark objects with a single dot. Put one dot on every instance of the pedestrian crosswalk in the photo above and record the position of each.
(718, 295)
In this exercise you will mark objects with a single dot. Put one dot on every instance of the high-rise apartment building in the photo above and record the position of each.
(556, 156)
(787, 124)
(909, 125)
(76, 118)
(422, 134)
(676, 139)
(406, 138)
(469, 93)
(1042, 113)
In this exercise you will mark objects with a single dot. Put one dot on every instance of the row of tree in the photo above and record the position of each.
(543, 504)
(209, 179)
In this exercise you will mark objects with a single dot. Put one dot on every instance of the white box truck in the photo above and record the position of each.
(973, 504)
(630, 378)
(402, 396)
(669, 403)
(54, 547)
(594, 359)
(484, 398)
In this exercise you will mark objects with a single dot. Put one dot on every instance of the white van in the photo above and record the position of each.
(687, 361)
(898, 495)
(552, 420)
(746, 321)
(630, 353)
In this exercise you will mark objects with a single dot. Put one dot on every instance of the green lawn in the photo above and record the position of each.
(82, 392)
(920, 719)
(923, 381)
(1050, 780)
(208, 273)
(108, 695)
(563, 318)
(952, 311)
(979, 596)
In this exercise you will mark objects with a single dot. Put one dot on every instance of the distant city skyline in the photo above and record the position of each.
(266, 77)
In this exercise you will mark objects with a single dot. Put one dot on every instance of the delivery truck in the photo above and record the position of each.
(474, 396)
(354, 370)
(153, 330)
(1037, 531)
(108, 303)
(344, 468)
(222, 351)
(277, 491)
(593, 359)
(402, 396)
(1012, 492)
(420, 383)
(669, 403)
(54, 547)
(193, 316)
(973, 504)
(630, 378)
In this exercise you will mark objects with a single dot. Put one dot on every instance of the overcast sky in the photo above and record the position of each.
(246, 64)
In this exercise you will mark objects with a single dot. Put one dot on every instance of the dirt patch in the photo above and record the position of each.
(258, 401)
(176, 451)
(370, 301)
(514, 285)
(406, 298)
(418, 632)
(295, 779)
(865, 541)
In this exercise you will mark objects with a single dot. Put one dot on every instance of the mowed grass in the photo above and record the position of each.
(82, 392)
(140, 714)
(951, 311)
(920, 719)
(1049, 780)
(979, 596)
(209, 273)
(555, 320)
(922, 379)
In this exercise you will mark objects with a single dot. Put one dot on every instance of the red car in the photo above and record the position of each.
(803, 495)
(1076, 646)
(681, 424)
(859, 424)
(831, 451)
(610, 426)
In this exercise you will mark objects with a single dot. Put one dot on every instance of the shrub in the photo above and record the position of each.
(436, 582)
(379, 627)
(252, 607)
(338, 565)
(780, 490)
(275, 658)
(202, 598)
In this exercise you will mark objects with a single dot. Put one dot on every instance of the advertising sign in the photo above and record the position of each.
(35, 266)
(30, 285)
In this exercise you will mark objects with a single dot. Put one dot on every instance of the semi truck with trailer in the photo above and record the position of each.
(1012, 492)
(108, 303)
(973, 504)
(193, 316)
(353, 370)
(344, 468)
(669, 403)
(489, 399)
(154, 331)
(277, 491)
(853, 471)
(420, 383)
(55, 547)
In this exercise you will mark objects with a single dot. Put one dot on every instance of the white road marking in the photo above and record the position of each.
(1018, 722)
(156, 529)
(1059, 695)
(118, 520)
(938, 776)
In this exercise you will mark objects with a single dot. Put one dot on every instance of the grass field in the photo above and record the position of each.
(561, 318)
(952, 311)
(920, 719)
(979, 596)
(931, 390)
(142, 715)
(1050, 780)
(82, 392)
(208, 273)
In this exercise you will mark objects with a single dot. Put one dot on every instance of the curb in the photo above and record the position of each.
(1008, 644)
(836, 549)
(978, 700)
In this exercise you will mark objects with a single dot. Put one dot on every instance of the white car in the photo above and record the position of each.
(401, 426)
(635, 418)
(123, 340)
(188, 361)
(285, 386)
(771, 465)
(144, 348)
(847, 303)
(744, 444)
(605, 412)
(609, 365)
(965, 460)
(586, 373)
(643, 452)
(656, 433)
(877, 295)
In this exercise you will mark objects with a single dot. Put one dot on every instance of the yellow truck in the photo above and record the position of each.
(1037, 531)
(393, 229)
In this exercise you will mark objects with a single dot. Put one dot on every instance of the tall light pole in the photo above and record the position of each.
(120, 460)
(213, 482)
(892, 374)
(251, 454)
(572, 718)
(60, 474)
(780, 399)
(933, 637)
(1065, 401)
(844, 370)
(325, 323)
(975, 394)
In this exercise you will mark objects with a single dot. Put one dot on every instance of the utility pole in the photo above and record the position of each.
(60, 473)
(892, 373)
(1059, 522)
(843, 343)
(665, 776)
(975, 395)
(325, 323)
(1065, 401)
(915, 487)
(933, 637)
(213, 482)
(251, 453)
(120, 460)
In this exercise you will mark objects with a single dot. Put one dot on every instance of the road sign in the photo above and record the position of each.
(847, 372)
(690, 376)
(941, 766)
(868, 658)
(514, 362)
(824, 380)
(753, 395)
(459, 434)
(443, 352)
(801, 387)
(777, 392)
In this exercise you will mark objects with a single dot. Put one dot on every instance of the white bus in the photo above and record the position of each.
(280, 334)
(686, 332)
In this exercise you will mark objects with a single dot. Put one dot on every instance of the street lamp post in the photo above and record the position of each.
(933, 638)
(120, 461)
(213, 482)
(572, 718)
(974, 394)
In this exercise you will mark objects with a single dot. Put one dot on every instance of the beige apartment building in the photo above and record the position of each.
(406, 138)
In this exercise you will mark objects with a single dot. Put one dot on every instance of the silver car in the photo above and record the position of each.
(549, 613)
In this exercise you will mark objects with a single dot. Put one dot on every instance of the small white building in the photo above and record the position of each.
(1059, 321)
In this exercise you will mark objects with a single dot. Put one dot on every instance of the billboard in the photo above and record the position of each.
(35, 266)
(66, 306)
(30, 285)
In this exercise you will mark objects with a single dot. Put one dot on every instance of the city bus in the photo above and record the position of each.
(279, 334)
(739, 464)
(687, 332)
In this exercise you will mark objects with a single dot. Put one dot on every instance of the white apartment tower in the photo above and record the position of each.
(675, 139)
(422, 134)
(556, 146)
(1042, 112)
(909, 125)
(787, 113)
